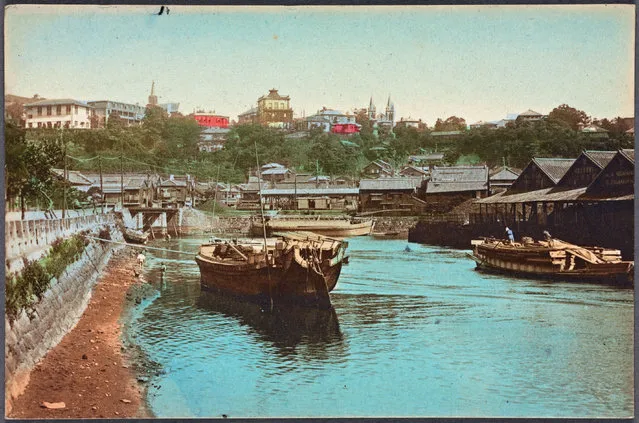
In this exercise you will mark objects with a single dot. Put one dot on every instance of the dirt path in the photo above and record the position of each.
(88, 370)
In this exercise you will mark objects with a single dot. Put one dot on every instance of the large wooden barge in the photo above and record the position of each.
(553, 259)
(331, 226)
(297, 267)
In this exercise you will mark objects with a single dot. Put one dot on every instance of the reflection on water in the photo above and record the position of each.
(303, 332)
(414, 332)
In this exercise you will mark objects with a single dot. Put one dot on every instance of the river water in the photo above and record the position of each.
(414, 332)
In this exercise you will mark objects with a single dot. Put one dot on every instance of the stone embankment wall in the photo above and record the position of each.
(37, 330)
(394, 224)
(32, 238)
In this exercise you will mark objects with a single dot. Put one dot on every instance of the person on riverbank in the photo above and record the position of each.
(141, 258)
(511, 236)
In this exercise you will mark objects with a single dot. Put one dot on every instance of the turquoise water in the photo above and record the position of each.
(413, 333)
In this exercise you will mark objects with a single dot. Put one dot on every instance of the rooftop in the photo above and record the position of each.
(555, 168)
(390, 184)
(56, 102)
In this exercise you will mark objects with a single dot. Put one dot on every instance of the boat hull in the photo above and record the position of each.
(291, 279)
(545, 264)
(330, 228)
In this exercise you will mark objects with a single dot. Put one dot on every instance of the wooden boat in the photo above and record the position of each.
(552, 259)
(298, 267)
(340, 227)
(133, 236)
(390, 235)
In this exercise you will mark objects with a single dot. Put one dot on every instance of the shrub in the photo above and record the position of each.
(23, 290)
(105, 234)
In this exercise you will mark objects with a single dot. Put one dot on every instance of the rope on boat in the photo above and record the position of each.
(139, 245)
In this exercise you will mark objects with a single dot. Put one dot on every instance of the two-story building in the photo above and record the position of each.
(131, 114)
(274, 110)
(58, 113)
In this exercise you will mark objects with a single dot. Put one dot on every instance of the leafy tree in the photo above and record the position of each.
(452, 123)
(28, 164)
(569, 116)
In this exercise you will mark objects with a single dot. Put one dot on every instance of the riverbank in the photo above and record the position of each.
(89, 370)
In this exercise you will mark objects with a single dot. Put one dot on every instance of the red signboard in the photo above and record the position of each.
(212, 121)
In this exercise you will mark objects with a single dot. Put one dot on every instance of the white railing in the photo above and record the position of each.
(25, 236)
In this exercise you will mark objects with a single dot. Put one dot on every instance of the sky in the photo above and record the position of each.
(475, 62)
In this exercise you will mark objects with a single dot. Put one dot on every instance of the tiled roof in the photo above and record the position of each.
(459, 174)
(601, 158)
(629, 153)
(593, 128)
(311, 191)
(505, 174)
(250, 111)
(55, 102)
(422, 170)
(530, 113)
(215, 130)
(272, 165)
(390, 184)
(74, 177)
(457, 178)
(172, 183)
(553, 167)
(545, 194)
(275, 171)
(273, 94)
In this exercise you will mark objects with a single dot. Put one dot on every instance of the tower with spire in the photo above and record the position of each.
(390, 112)
(371, 110)
(153, 99)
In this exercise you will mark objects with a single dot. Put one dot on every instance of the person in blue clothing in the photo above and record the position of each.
(511, 237)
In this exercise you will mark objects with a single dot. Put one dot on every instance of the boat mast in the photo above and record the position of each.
(259, 188)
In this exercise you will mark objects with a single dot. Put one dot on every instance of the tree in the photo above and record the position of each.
(569, 116)
(28, 164)
(453, 123)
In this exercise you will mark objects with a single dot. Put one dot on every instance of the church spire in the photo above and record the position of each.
(153, 99)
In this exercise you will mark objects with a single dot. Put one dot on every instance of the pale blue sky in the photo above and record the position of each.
(477, 62)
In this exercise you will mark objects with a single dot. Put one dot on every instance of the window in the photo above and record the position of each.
(58, 110)
(49, 125)
(68, 109)
(39, 110)
(58, 124)
(39, 124)
(48, 110)
(30, 124)
(76, 110)
(29, 116)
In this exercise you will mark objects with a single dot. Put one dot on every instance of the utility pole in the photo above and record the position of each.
(65, 177)
(295, 191)
(122, 173)
(102, 199)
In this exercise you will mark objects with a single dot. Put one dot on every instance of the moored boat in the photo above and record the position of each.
(133, 236)
(340, 226)
(553, 259)
(298, 267)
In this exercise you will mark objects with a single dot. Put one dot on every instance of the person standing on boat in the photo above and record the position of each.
(511, 237)
(548, 238)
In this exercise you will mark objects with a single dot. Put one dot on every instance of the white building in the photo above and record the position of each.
(61, 113)
(132, 114)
